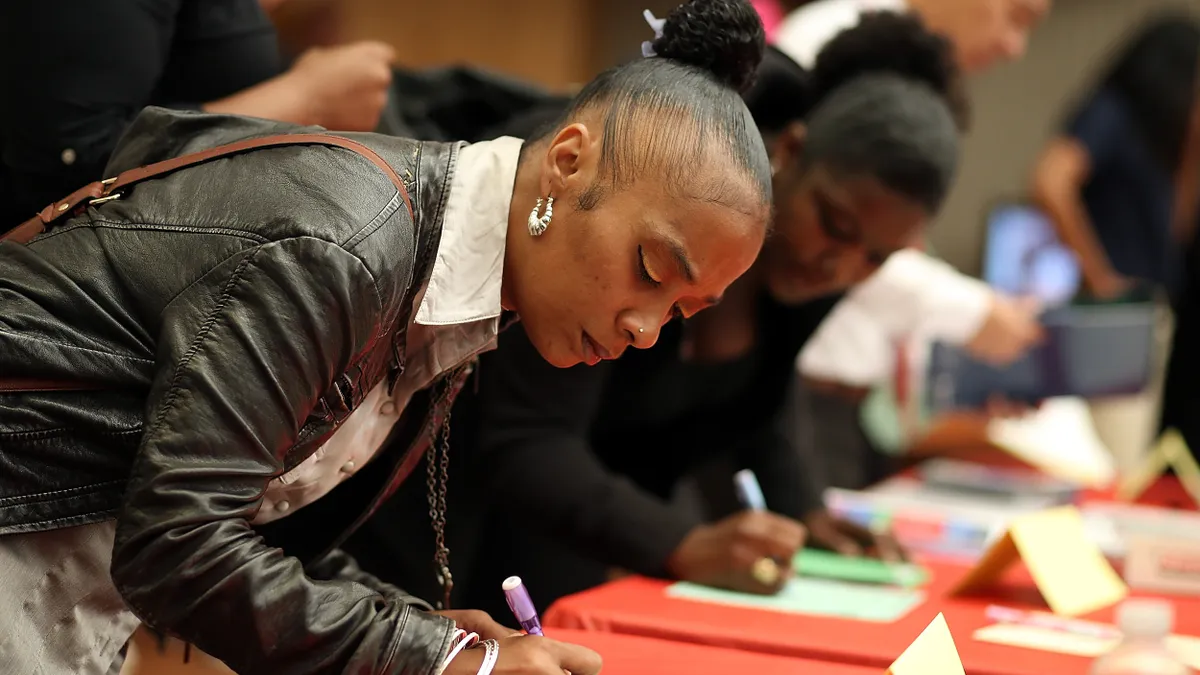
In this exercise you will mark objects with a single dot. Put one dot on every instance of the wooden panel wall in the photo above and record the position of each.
(551, 42)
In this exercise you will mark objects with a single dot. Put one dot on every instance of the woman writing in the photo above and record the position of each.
(196, 355)
(576, 465)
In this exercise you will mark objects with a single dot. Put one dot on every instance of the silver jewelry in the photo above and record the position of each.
(461, 640)
(490, 656)
(641, 330)
(538, 224)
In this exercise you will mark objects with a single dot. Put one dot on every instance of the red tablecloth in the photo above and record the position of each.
(640, 607)
(631, 655)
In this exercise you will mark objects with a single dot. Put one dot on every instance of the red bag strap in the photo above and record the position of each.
(109, 189)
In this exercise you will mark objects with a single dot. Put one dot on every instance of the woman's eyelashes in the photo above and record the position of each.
(644, 269)
(647, 275)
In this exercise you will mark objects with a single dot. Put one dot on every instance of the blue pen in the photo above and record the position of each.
(522, 605)
(766, 571)
(749, 492)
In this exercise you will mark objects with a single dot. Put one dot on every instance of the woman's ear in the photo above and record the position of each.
(569, 152)
(788, 146)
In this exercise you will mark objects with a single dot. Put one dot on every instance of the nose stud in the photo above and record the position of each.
(641, 330)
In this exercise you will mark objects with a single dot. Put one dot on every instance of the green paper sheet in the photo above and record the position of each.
(820, 597)
(828, 565)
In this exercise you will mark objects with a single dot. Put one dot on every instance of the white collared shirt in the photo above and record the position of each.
(457, 317)
(912, 296)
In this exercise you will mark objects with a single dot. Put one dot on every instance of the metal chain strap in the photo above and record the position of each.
(437, 471)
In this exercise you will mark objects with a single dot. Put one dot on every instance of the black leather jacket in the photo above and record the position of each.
(229, 316)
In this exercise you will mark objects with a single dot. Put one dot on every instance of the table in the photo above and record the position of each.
(623, 655)
(638, 606)
(632, 655)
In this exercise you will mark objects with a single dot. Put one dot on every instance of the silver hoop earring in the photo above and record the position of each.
(538, 224)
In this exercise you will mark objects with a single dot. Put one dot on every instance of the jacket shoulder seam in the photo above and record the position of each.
(162, 227)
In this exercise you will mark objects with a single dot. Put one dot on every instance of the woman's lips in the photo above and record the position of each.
(593, 351)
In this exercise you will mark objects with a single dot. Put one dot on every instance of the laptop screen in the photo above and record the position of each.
(1024, 257)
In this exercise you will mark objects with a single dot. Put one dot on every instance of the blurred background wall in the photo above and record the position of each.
(559, 43)
(1017, 106)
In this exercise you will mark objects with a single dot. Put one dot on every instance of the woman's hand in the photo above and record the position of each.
(480, 623)
(529, 655)
(341, 88)
(1010, 329)
(842, 536)
(1109, 285)
(345, 88)
(733, 552)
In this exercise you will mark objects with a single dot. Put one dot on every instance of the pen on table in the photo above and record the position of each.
(522, 605)
(749, 492)
(1051, 622)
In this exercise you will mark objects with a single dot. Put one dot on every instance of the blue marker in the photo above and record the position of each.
(748, 490)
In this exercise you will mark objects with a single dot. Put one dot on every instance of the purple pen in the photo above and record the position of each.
(522, 605)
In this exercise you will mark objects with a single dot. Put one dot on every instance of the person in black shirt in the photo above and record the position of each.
(74, 74)
(568, 471)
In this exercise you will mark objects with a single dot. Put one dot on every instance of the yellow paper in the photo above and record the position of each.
(1002, 554)
(932, 653)
(1070, 571)
(1186, 648)
(1180, 457)
(1170, 451)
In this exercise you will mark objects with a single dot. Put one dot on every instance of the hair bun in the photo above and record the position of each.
(724, 37)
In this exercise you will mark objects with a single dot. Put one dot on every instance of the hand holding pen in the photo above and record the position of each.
(513, 653)
(521, 605)
(750, 551)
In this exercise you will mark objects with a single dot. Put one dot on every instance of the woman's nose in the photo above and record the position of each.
(642, 333)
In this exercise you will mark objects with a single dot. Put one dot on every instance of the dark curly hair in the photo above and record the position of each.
(885, 99)
(895, 44)
(708, 53)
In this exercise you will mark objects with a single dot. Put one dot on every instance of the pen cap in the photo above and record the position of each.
(748, 490)
(518, 599)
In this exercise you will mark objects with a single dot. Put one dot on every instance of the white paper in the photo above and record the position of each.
(1060, 439)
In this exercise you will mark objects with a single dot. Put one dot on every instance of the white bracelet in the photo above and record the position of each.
(490, 656)
(463, 640)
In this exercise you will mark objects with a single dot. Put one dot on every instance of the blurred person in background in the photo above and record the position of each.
(772, 13)
(1121, 182)
(913, 294)
(574, 469)
(74, 74)
(866, 406)
(199, 370)
(984, 32)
